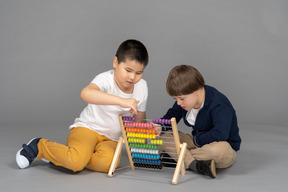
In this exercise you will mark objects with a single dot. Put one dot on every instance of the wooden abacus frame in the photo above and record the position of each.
(180, 148)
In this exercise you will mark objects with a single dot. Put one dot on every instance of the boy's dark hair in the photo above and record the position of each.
(134, 50)
(184, 80)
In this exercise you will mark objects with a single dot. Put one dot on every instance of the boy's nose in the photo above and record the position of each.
(132, 76)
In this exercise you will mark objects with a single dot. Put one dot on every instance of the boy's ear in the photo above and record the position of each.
(115, 62)
(197, 92)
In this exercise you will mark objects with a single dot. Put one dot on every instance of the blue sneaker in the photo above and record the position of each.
(27, 154)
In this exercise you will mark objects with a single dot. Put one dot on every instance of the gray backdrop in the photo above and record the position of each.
(50, 50)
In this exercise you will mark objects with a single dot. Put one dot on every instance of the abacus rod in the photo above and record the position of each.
(153, 139)
(154, 125)
(170, 156)
(143, 120)
(165, 137)
(167, 148)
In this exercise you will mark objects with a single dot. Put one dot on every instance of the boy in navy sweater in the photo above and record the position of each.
(215, 134)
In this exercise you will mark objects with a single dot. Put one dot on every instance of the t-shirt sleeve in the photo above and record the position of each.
(102, 81)
(144, 97)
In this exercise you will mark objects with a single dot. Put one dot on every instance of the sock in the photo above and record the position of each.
(192, 166)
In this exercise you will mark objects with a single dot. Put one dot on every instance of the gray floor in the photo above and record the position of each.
(261, 165)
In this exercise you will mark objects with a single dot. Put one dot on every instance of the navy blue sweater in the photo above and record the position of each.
(216, 121)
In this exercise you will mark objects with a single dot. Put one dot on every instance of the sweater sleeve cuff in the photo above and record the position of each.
(195, 142)
(163, 129)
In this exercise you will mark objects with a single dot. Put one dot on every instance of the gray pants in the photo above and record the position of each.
(221, 152)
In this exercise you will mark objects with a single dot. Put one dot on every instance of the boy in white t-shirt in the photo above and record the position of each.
(93, 137)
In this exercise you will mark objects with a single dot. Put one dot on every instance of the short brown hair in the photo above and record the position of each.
(184, 80)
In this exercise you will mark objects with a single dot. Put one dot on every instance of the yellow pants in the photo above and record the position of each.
(84, 149)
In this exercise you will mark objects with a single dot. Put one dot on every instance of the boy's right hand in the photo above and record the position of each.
(130, 103)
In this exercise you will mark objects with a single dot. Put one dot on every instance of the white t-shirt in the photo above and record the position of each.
(192, 114)
(104, 118)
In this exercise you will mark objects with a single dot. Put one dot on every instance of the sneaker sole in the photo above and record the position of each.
(21, 160)
(45, 160)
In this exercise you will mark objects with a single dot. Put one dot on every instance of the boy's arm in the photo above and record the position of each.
(93, 95)
(176, 111)
(222, 120)
(141, 115)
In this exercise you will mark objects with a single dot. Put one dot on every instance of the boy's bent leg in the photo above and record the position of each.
(170, 147)
(221, 152)
(103, 156)
(187, 138)
(226, 155)
(80, 146)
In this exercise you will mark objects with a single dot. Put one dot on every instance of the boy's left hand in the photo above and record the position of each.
(158, 128)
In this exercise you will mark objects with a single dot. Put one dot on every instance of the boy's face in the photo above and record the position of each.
(127, 74)
(190, 101)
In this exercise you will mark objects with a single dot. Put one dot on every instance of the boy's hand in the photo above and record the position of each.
(130, 103)
(158, 128)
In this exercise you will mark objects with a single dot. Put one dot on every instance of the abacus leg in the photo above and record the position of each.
(116, 157)
(177, 140)
(179, 164)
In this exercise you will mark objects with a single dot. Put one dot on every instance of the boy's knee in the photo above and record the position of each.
(224, 154)
(76, 166)
(220, 147)
(106, 163)
(102, 162)
(105, 168)
(101, 166)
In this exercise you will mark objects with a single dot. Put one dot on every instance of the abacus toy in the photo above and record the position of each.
(144, 147)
